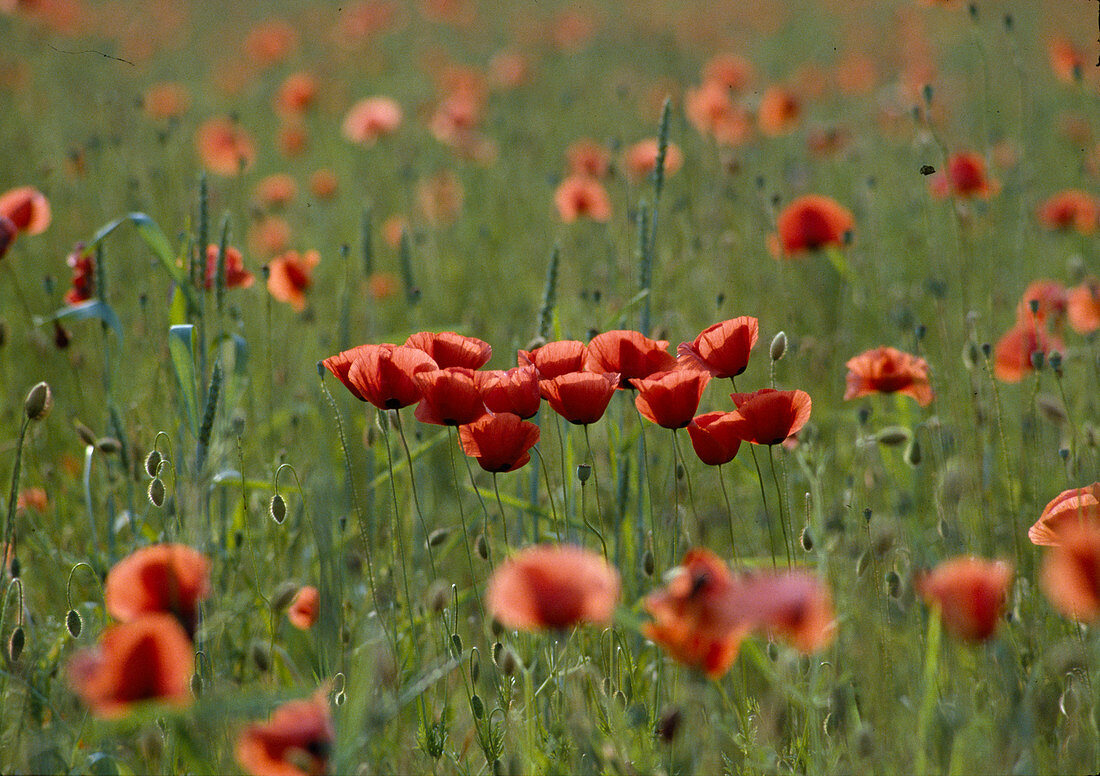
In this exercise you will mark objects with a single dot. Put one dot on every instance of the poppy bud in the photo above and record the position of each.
(893, 584)
(778, 346)
(261, 656)
(238, 424)
(970, 356)
(438, 536)
(912, 453)
(156, 492)
(498, 650)
(584, 471)
(340, 698)
(278, 509)
(807, 539)
(892, 436)
(152, 463)
(16, 643)
(477, 706)
(648, 563)
(456, 642)
(87, 436)
(1055, 360)
(509, 663)
(475, 665)
(497, 628)
(438, 595)
(284, 594)
(669, 724)
(986, 349)
(73, 623)
(39, 402)
(862, 563)
(196, 685)
(108, 445)
(482, 547)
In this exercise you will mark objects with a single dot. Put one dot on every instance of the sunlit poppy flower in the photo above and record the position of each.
(302, 611)
(1066, 60)
(1049, 298)
(712, 111)
(779, 112)
(290, 275)
(1070, 576)
(323, 184)
(449, 396)
(723, 348)
(810, 223)
(731, 71)
(965, 178)
(269, 236)
(296, 741)
(970, 594)
(1083, 306)
(27, 208)
(641, 159)
(32, 498)
(166, 578)
(586, 157)
(500, 443)
(292, 139)
(515, 390)
(794, 604)
(7, 234)
(553, 587)
(1071, 507)
(370, 119)
(1070, 209)
(1012, 353)
(450, 349)
(384, 375)
(440, 197)
(580, 397)
(579, 196)
(629, 353)
(714, 437)
(167, 100)
(670, 399)
(888, 370)
(82, 262)
(149, 659)
(271, 42)
(224, 147)
(277, 190)
(554, 359)
(296, 94)
(236, 276)
(690, 615)
(767, 416)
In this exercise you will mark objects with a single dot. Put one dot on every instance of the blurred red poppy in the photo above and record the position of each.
(500, 443)
(1070, 575)
(271, 42)
(965, 178)
(8, 233)
(236, 276)
(579, 196)
(670, 399)
(1070, 209)
(794, 604)
(588, 158)
(370, 119)
(640, 160)
(714, 437)
(969, 593)
(323, 183)
(779, 112)
(1076, 506)
(447, 348)
(723, 348)
(810, 223)
(27, 208)
(296, 741)
(767, 416)
(302, 612)
(296, 94)
(162, 578)
(1083, 306)
(290, 275)
(580, 397)
(1049, 298)
(630, 354)
(167, 100)
(1012, 354)
(1066, 60)
(82, 263)
(553, 587)
(888, 370)
(730, 71)
(383, 375)
(224, 147)
(449, 396)
(515, 390)
(149, 659)
(276, 191)
(32, 498)
(712, 111)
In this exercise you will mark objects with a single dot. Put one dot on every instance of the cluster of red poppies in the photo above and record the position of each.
(1041, 315)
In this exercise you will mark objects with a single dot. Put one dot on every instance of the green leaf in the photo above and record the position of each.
(93, 308)
(154, 237)
(181, 345)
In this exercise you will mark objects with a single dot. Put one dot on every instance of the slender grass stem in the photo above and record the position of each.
(416, 497)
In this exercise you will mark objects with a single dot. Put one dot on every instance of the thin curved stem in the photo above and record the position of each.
(416, 497)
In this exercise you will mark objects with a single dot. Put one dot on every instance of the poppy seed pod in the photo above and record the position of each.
(16, 643)
(39, 402)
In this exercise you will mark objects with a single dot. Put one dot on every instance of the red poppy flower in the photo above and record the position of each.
(450, 349)
(580, 397)
(295, 742)
(779, 111)
(579, 196)
(32, 498)
(887, 370)
(670, 399)
(271, 42)
(767, 417)
(640, 160)
(149, 659)
(1012, 354)
(730, 71)
(1070, 576)
(553, 587)
(450, 396)
(82, 263)
(370, 119)
(810, 223)
(8, 233)
(1070, 209)
(794, 604)
(1067, 61)
(225, 148)
(970, 594)
(1071, 507)
(290, 274)
(965, 178)
(515, 390)
(162, 578)
(1083, 306)
(384, 375)
(296, 94)
(554, 359)
(588, 158)
(714, 437)
(302, 612)
(690, 615)
(276, 191)
(500, 443)
(1050, 299)
(27, 208)
(722, 349)
(167, 100)
(236, 276)
(630, 354)
(269, 236)
(323, 184)
(712, 111)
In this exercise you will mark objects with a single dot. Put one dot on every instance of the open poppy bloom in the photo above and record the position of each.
(276, 191)
(236, 276)
(629, 353)
(149, 659)
(579, 196)
(793, 604)
(302, 612)
(449, 397)
(723, 348)
(553, 587)
(225, 148)
(1083, 306)
(370, 119)
(500, 443)
(731, 71)
(1049, 298)
(1070, 576)
(588, 158)
(1076, 506)
(82, 263)
(810, 223)
(965, 178)
(450, 349)
(641, 159)
(1012, 353)
(290, 275)
(515, 390)
(580, 397)
(1070, 209)
(779, 112)
(295, 742)
(296, 94)
(969, 593)
(712, 111)
(163, 578)
(888, 370)
(27, 208)
(714, 437)
(767, 416)
(670, 399)
(8, 233)
(554, 359)
(384, 375)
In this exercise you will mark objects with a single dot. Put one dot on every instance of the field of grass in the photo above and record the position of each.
(461, 199)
